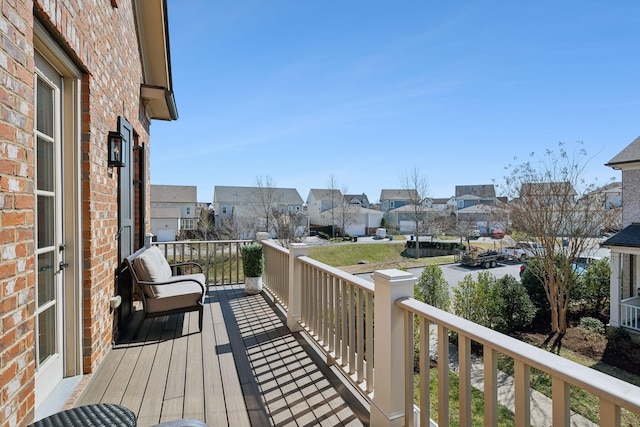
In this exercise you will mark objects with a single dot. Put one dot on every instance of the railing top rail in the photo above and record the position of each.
(195, 242)
(613, 389)
(363, 284)
(275, 246)
(635, 298)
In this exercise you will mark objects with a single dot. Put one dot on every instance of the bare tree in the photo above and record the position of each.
(333, 195)
(291, 226)
(205, 225)
(464, 229)
(550, 204)
(347, 211)
(268, 199)
(417, 190)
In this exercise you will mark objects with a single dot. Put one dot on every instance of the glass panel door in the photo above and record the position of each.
(49, 310)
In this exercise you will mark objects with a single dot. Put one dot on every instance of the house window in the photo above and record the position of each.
(297, 208)
(188, 211)
(392, 204)
(186, 224)
(224, 209)
(460, 204)
(290, 208)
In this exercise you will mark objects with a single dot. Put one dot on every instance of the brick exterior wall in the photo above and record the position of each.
(102, 40)
(630, 196)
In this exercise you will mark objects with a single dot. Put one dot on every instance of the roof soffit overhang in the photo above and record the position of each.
(156, 89)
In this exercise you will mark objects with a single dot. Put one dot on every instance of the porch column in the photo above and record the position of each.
(294, 310)
(615, 289)
(387, 406)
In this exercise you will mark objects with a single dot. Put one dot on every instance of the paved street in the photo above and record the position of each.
(455, 273)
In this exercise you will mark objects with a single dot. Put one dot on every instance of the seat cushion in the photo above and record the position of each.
(173, 289)
(152, 266)
(176, 295)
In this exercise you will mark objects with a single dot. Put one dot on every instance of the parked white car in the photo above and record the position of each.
(522, 251)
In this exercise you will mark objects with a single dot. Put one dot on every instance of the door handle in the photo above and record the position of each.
(63, 265)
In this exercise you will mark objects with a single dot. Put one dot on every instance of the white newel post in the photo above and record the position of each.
(294, 310)
(614, 291)
(262, 235)
(387, 406)
(148, 238)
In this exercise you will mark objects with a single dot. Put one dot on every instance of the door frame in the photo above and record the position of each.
(71, 201)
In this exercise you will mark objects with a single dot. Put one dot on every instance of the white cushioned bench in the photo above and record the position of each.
(163, 289)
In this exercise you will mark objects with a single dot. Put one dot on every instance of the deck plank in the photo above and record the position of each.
(244, 369)
(194, 378)
(215, 408)
(152, 401)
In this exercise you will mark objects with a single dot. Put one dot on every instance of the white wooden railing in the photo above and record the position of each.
(630, 313)
(613, 394)
(339, 312)
(220, 259)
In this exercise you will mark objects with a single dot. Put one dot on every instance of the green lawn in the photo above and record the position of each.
(376, 256)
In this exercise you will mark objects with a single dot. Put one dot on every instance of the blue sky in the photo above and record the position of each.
(300, 90)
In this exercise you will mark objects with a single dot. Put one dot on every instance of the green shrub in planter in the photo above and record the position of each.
(252, 260)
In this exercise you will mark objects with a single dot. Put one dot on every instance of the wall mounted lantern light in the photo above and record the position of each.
(116, 153)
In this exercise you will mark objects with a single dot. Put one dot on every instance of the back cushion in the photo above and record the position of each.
(151, 266)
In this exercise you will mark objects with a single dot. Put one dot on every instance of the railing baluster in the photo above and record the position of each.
(443, 376)
(561, 401)
(369, 342)
(464, 365)
(345, 323)
(331, 321)
(408, 371)
(490, 386)
(352, 331)
(609, 413)
(359, 335)
(425, 368)
(522, 393)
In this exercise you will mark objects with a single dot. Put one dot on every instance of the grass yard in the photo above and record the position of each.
(362, 258)
(506, 418)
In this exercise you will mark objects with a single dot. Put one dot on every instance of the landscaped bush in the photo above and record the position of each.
(592, 324)
(502, 305)
(432, 288)
(532, 282)
(514, 309)
(323, 235)
(591, 290)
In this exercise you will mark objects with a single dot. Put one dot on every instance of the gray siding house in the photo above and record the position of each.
(172, 209)
(625, 245)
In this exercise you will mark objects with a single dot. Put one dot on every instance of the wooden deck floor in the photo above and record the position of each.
(245, 369)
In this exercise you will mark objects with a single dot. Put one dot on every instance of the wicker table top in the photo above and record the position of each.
(97, 415)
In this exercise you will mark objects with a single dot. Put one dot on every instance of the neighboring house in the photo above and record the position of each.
(548, 193)
(321, 200)
(246, 206)
(75, 76)
(485, 217)
(612, 193)
(446, 204)
(403, 218)
(625, 245)
(470, 195)
(173, 208)
(393, 199)
(359, 221)
(358, 199)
